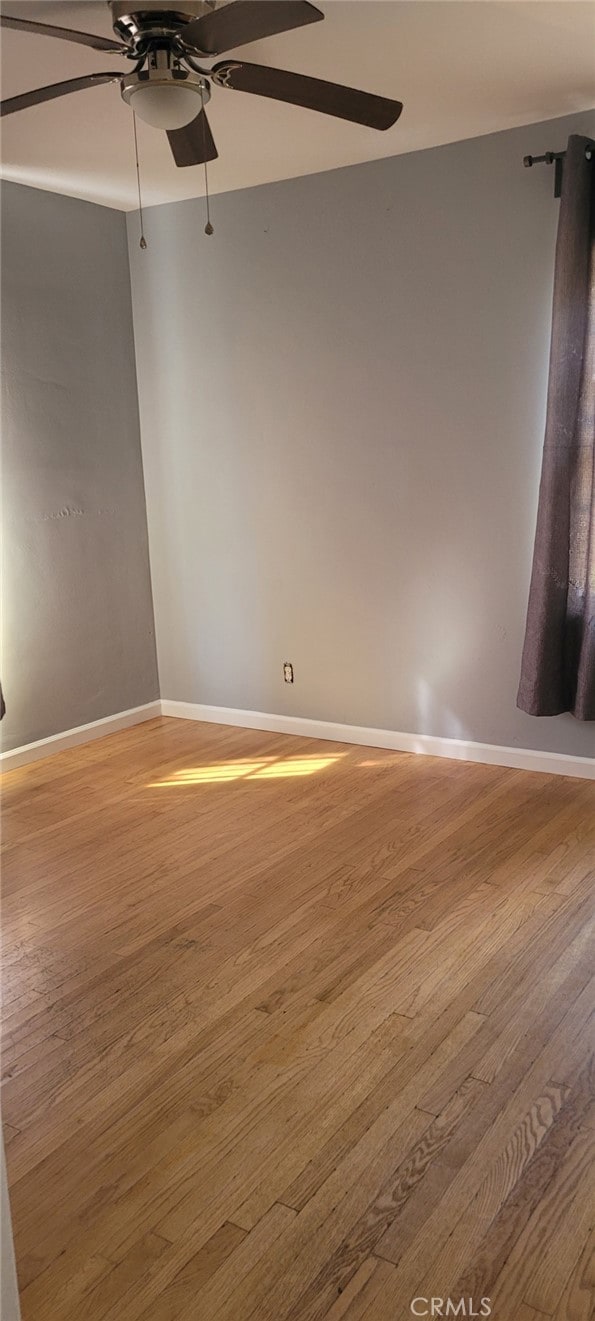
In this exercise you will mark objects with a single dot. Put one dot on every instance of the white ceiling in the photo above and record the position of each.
(462, 68)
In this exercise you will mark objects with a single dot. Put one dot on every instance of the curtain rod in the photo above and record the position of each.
(555, 158)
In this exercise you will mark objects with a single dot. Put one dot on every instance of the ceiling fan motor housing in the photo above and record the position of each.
(164, 93)
(152, 19)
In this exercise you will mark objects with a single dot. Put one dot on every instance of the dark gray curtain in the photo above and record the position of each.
(558, 666)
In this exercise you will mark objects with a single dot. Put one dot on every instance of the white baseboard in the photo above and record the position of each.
(525, 759)
(45, 747)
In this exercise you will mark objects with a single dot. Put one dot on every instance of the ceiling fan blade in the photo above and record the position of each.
(40, 94)
(243, 21)
(312, 93)
(193, 144)
(65, 34)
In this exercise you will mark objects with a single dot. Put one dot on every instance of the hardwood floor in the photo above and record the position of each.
(295, 1030)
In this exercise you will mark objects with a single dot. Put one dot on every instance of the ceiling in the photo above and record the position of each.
(461, 67)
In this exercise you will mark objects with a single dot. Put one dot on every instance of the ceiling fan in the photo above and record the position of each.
(169, 89)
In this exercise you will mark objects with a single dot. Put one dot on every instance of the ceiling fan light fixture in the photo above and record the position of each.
(165, 99)
(165, 107)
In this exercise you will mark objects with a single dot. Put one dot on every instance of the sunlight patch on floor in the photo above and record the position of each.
(261, 768)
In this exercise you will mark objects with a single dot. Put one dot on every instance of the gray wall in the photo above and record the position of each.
(342, 409)
(78, 632)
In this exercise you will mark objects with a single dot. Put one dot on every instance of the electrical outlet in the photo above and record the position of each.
(288, 671)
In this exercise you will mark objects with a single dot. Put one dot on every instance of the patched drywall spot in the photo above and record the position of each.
(73, 511)
(66, 512)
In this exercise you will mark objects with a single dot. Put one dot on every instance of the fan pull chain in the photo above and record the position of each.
(143, 241)
(208, 227)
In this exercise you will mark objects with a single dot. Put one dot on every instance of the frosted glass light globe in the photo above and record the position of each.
(166, 105)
